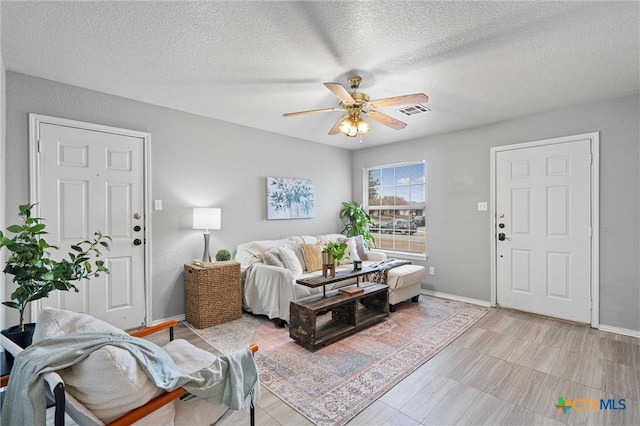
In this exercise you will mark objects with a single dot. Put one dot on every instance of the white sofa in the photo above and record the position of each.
(268, 289)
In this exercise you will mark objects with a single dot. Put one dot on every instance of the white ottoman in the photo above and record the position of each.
(404, 284)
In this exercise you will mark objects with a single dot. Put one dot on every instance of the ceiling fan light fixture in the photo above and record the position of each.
(363, 127)
(346, 126)
(354, 126)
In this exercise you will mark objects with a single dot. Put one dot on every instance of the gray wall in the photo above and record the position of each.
(458, 242)
(203, 162)
(3, 117)
(196, 162)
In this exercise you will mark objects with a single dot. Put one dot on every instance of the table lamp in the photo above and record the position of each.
(206, 218)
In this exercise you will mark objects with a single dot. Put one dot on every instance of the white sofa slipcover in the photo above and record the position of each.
(268, 290)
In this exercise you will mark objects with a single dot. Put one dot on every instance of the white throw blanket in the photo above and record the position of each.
(229, 380)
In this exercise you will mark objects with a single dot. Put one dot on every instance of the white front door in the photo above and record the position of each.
(93, 180)
(543, 227)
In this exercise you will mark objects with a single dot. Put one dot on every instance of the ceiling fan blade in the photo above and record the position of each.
(340, 91)
(336, 127)
(416, 98)
(386, 120)
(312, 111)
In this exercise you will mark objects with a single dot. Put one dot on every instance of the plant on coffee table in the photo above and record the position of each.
(335, 250)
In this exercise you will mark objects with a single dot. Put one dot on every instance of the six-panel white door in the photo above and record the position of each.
(543, 209)
(93, 180)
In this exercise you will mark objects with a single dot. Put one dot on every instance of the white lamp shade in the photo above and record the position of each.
(207, 218)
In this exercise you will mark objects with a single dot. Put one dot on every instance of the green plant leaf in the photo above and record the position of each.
(35, 229)
(16, 229)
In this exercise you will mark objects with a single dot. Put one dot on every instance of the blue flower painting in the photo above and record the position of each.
(289, 198)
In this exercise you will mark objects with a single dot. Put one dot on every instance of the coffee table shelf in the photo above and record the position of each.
(349, 314)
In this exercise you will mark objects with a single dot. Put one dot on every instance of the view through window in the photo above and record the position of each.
(396, 202)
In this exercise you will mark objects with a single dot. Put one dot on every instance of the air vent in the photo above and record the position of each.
(413, 110)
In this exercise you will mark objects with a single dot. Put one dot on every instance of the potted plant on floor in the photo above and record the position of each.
(358, 222)
(36, 274)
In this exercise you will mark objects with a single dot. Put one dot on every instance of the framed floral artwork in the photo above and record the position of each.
(289, 198)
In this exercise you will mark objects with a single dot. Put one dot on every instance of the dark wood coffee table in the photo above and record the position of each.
(340, 276)
(349, 313)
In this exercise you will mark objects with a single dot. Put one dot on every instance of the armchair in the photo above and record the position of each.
(109, 387)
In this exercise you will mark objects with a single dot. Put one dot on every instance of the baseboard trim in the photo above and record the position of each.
(456, 298)
(618, 330)
(177, 318)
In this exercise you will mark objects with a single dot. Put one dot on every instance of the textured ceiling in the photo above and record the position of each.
(250, 62)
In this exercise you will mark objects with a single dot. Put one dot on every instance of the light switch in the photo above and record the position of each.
(482, 206)
(157, 204)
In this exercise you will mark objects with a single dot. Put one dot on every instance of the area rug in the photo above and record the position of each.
(333, 384)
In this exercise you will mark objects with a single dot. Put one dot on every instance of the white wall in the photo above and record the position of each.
(195, 161)
(458, 236)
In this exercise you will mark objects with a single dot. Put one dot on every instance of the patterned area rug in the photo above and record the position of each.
(333, 384)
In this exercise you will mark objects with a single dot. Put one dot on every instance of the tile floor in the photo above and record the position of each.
(509, 369)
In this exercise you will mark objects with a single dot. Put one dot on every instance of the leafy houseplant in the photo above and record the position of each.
(223, 254)
(358, 222)
(33, 270)
(335, 251)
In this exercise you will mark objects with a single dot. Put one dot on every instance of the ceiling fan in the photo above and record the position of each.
(357, 103)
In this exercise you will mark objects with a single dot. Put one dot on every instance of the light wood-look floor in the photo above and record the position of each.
(509, 368)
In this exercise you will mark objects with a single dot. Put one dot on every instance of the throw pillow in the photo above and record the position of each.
(351, 253)
(312, 256)
(295, 248)
(360, 248)
(290, 261)
(271, 257)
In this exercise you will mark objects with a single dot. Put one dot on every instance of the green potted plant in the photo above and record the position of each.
(36, 274)
(358, 222)
(333, 252)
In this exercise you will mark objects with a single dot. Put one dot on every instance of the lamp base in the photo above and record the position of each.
(206, 256)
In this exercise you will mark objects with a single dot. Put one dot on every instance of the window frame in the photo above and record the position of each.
(365, 203)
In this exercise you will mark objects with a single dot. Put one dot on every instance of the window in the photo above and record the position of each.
(396, 202)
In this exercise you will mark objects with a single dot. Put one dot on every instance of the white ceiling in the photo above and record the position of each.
(250, 62)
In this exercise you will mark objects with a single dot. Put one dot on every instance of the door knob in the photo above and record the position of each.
(137, 242)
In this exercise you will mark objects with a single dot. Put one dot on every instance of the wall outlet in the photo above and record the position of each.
(432, 270)
(157, 204)
(483, 206)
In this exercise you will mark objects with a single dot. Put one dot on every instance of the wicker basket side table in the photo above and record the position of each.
(212, 293)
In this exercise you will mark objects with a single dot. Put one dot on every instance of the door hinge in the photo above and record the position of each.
(39, 146)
